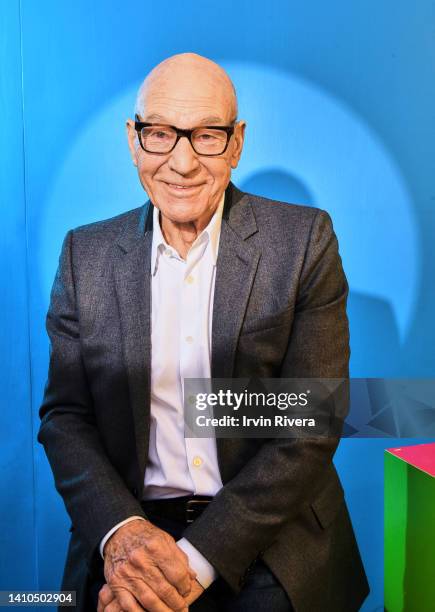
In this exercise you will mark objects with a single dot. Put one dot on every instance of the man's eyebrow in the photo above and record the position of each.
(211, 119)
(154, 117)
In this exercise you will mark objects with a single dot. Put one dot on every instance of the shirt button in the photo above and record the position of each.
(189, 339)
(197, 461)
(189, 279)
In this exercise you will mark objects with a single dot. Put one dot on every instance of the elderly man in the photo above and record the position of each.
(202, 281)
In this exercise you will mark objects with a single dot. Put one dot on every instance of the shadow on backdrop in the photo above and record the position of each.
(375, 339)
(278, 185)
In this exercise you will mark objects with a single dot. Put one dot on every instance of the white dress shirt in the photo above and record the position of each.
(182, 294)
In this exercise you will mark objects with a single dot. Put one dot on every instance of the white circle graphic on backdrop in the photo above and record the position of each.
(295, 129)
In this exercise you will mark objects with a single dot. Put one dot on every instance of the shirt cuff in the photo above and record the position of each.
(205, 572)
(112, 531)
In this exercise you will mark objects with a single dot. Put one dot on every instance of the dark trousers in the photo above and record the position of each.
(261, 592)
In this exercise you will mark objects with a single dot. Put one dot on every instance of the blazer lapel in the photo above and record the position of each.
(133, 289)
(236, 267)
(235, 272)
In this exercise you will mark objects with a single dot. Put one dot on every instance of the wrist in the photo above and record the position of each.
(118, 533)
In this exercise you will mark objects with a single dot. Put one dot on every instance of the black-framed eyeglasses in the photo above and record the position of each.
(208, 140)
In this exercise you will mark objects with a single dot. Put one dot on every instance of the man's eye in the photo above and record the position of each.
(161, 135)
(206, 136)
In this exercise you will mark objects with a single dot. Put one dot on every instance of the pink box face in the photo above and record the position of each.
(421, 456)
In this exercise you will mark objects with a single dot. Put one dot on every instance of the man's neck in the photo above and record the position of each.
(181, 236)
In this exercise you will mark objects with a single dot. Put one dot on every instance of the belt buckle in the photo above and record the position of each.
(192, 508)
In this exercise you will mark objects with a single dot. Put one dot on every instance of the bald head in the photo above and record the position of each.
(188, 80)
(188, 92)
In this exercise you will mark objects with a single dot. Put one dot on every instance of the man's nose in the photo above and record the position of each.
(183, 158)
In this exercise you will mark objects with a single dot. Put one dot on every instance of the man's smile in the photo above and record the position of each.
(184, 189)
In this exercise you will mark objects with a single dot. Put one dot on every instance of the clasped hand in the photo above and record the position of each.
(146, 570)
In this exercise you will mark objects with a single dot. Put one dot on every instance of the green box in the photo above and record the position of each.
(409, 518)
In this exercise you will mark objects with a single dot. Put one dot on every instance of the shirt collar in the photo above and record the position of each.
(211, 232)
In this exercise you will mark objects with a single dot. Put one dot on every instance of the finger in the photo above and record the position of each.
(113, 606)
(172, 561)
(184, 558)
(166, 591)
(105, 596)
(149, 601)
(147, 578)
(175, 567)
(179, 578)
(197, 591)
(191, 572)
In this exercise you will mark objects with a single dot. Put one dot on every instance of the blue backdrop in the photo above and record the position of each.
(339, 99)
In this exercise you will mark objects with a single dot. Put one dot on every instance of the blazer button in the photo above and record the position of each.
(134, 491)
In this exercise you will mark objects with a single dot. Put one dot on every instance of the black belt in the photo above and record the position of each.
(181, 509)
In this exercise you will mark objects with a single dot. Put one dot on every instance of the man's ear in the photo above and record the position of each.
(132, 140)
(239, 138)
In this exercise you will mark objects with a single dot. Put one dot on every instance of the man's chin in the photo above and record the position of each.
(180, 216)
(182, 210)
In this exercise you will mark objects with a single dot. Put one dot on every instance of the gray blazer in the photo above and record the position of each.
(279, 310)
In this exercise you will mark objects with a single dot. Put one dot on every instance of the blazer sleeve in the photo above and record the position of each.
(95, 496)
(249, 511)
